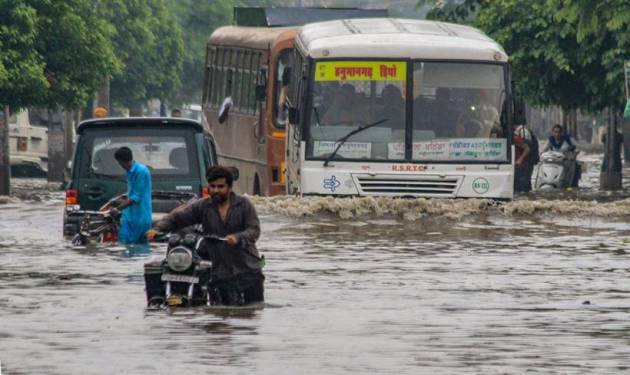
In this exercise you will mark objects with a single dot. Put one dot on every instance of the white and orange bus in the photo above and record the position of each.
(245, 66)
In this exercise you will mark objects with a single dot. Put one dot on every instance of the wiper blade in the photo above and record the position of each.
(343, 139)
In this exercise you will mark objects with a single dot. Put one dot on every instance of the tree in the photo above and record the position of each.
(550, 65)
(605, 19)
(455, 11)
(75, 45)
(198, 20)
(21, 72)
(148, 43)
(594, 19)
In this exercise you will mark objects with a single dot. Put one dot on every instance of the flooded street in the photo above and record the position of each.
(353, 286)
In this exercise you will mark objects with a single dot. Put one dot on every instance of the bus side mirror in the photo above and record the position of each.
(294, 116)
(261, 92)
(519, 111)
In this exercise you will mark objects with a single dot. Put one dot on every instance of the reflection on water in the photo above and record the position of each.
(352, 287)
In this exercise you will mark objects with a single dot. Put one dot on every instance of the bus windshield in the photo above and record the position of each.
(453, 114)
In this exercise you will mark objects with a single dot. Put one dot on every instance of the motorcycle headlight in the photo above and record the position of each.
(179, 259)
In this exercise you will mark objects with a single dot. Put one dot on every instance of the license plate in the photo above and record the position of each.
(180, 278)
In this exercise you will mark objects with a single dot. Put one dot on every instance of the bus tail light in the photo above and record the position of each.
(71, 197)
(205, 192)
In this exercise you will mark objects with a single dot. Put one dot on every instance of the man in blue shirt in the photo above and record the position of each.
(136, 208)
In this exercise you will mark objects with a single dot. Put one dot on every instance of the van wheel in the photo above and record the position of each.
(256, 185)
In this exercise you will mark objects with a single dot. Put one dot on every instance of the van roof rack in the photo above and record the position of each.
(293, 16)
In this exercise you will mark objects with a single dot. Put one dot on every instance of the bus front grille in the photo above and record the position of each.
(403, 185)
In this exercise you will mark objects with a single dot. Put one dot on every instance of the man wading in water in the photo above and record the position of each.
(237, 277)
(136, 208)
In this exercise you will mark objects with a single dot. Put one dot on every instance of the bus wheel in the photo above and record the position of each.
(256, 185)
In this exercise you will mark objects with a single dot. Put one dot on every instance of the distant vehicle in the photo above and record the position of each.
(192, 111)
(177, 152)
(245, 68)
(28, 147)
(400, 108)
(557, 170)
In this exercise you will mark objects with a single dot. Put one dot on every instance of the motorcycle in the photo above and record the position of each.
(557, 170)
(183, 276)
(102, 226)
(98, 225)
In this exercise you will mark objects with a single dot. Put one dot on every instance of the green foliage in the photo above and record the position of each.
(604, 19)
(554, 63)
(74, 42)
(148, 42)
(168, 54)
(52, 53)
(198, 20)
(21, 67)
(456, 11)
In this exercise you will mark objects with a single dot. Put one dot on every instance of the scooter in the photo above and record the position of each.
(557, 170)
(182, 278)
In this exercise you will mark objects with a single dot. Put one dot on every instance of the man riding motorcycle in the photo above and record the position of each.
(237, 277)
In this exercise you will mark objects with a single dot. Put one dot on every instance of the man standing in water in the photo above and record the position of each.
(136, 208)
(237, 277)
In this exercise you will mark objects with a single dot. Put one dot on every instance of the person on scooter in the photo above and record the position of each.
(559, 141)
(237, 277)
(136, 207)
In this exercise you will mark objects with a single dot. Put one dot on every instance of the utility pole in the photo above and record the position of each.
(610, 176)
(625, 124)
(56, 147)
(5, 163)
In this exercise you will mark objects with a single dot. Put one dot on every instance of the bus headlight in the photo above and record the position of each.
(179, 259)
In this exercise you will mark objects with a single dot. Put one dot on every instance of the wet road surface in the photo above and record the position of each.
(446, 287)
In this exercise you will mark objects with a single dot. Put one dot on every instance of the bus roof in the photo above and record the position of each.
(397, 38)
(138, 122)
(275, 16)
(247, 37)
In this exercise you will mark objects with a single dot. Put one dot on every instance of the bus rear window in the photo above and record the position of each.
(164, 155)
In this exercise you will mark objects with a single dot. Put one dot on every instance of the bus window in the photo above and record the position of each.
(350, 94)
(458, 102)
(281, 95)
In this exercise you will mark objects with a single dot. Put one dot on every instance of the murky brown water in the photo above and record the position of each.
(444, 287)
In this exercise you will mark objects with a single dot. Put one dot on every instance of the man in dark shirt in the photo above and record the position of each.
(237, 276)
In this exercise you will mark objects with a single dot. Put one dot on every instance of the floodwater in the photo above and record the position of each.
(353, 286)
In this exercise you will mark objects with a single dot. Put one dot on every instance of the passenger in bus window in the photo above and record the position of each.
(442, 113)
(343, 109)
(393, 108)
(479, 108)
(283, 97)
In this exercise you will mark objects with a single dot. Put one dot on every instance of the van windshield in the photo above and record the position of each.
(165, 155)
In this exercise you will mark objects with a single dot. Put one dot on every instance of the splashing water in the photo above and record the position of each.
(414, 209)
